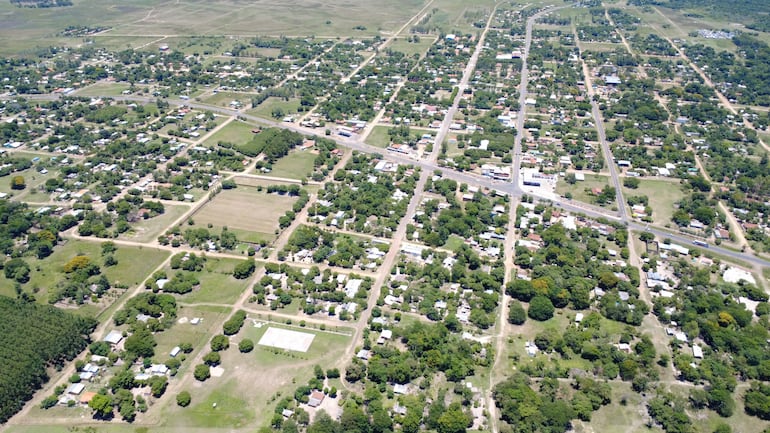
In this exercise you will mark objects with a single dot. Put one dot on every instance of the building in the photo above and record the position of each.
(316, 398)
(114, 337)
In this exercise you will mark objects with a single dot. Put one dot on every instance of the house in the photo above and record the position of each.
(352, 287)
(316, 398)
(114, 337)
(386, 334)
(363, 354)
(75, 389)
(400, 389)
(697, 351)
(399, 410)
(86, 397)
(175, 351)
(287, 413)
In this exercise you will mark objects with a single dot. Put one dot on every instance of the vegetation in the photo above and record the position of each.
(33, 338)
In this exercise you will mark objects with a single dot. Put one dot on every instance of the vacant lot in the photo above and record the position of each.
(411, 48)
(224, 99)
(236, 132)
(251, 214)
(237, 403)
(662, 195)
(149, 229)
(295, 165)
(277, 105)
(103, 89)
(578, 189)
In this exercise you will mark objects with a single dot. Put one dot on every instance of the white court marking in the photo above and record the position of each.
(286, 339)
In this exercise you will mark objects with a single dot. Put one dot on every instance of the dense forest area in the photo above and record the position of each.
(32, 338)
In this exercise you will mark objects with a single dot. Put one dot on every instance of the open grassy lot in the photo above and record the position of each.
(296, 165)
(276, 372)
(223, 99)
(265, 109)
(662, 195)
(411, 48)
(251, 214)
(236, 132)
(33, 179)
(197, 335)
(379, 137)
(149, 229)
(103, 89)
(217, 283)
(578, 190)
(134, 265)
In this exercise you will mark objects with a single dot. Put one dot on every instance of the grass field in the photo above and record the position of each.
(662, 195)
(24, 29)
(578, 190)
(223, 99)
(251, 214)
(379, 137)
(217, 283)
(265, 109)
(103, 89)
(237, 403)
(236, 132)
(295, 165)
(134, 265)
(149, 229)
(411, 48)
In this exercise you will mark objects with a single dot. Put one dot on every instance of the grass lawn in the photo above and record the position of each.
(276, 373)
(265, 109)
(217, 283)
(662, 195)
(296, 165)
(223, 99)
(197, 335)
(149, 229)
(411, 48)
(251, 214)
(454, 242)
(578, 190)
(616, 417)
(103, 89)
(134, 265)
(236, 132)
(379, 137)
(33, 179)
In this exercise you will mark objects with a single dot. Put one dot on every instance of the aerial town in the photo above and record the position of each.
(421, 216)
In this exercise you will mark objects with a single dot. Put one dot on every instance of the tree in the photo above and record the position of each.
(202, 372)
(17, 269)
(244, 269)
(212, 358)
(18, 183)
(246, 345)
(141, 343)
(102, 406)
(183, 399)
(516, 313)
(453, 420)
(540, 308)
(219, 343)
(631, 182)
